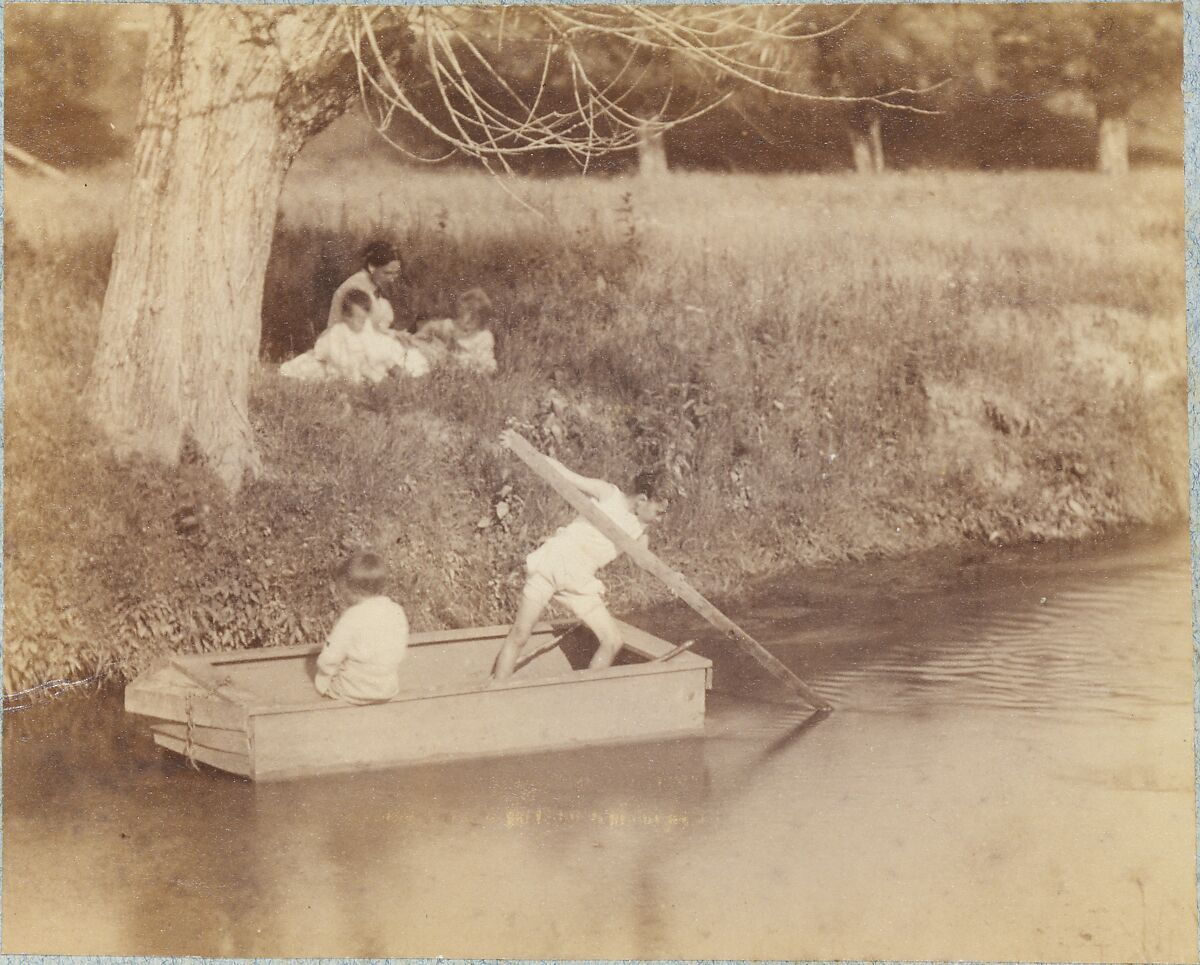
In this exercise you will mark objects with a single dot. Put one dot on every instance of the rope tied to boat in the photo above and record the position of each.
(214, 689)
(189, 743)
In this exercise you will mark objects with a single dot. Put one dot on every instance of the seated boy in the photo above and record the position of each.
(361, 660)
(564, 568)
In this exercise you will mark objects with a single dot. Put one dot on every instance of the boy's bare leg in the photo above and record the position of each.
(518, 635)
(602, 624)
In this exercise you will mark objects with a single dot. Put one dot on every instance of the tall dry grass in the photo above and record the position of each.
(830, 366)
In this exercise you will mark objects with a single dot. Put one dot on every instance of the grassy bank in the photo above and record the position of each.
(830, 366)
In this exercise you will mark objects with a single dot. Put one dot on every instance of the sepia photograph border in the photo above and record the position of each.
(1191, 177)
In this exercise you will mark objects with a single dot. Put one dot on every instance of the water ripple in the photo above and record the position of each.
(1096, 645)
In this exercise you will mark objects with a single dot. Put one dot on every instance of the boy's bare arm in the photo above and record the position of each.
(595, 488)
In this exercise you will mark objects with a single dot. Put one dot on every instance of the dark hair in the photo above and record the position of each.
(380, 253)
(355, 297)
(363, 573)
(651, 483)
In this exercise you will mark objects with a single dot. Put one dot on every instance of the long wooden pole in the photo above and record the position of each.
(673, 579)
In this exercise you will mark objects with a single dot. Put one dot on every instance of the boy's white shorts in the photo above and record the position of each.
(541, 589)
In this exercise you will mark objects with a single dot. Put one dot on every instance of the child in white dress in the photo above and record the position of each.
(464, 340)
(355, 350)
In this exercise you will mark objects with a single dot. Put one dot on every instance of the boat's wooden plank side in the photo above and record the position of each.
(216, 738)
(525, 678)
(255, 712)
(573, 712)
(424, 638)
(652, 647)
(234, 763)
(184, 690)
(642, 643)
(221, 695)
(216, 683)
(435, 668)
(288, 683)
(180, 703)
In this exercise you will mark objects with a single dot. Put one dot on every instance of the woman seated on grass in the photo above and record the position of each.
(354, 350)
(464, 340)
(380, 273)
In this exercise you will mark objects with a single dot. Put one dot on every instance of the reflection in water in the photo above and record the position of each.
(1008, 775)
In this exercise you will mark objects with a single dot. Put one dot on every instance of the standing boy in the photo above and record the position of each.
(564, 567)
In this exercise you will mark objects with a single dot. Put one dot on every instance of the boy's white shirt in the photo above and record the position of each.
(571, 557)
(365, 649)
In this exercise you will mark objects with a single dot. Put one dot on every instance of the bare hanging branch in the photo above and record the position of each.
(595, 76)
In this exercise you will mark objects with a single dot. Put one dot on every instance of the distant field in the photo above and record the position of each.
(831, 366)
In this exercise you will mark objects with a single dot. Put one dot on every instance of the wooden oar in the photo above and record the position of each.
(673, 579)
(526, 661)
(671, 655)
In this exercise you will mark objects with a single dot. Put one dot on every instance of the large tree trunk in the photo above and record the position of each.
(651, 151)
(230, 95)
(1112, 143)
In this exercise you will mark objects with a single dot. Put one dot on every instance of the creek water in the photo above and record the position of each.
(1009, 775)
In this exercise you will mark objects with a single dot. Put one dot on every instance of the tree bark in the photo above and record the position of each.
(1112, 144)
(651, 151)
(866, 145)
(230, 94)
(875, 134)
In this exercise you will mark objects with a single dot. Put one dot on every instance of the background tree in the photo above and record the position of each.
(66, 70)
(882, 57)
(644, 84)
(231, 93)
(1111, 54)
(614, 90)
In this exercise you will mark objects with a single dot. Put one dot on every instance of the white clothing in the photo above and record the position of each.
(342, 353)
(569, 559)
(440, 342)
(541, 589)
(363, 653)
(476, 352)
(304, 367)
(381, 315)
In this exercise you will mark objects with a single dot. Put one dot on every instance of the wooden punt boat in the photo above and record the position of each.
(255, 712)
